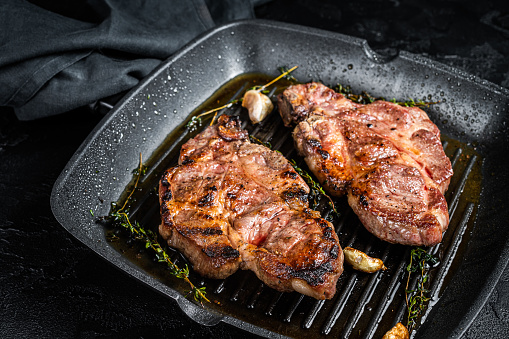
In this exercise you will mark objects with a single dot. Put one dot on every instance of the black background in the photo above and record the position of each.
(53, 286)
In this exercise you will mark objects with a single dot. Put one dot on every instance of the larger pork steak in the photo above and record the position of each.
(230, 203)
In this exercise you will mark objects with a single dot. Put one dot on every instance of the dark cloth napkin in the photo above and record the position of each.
(59, 55)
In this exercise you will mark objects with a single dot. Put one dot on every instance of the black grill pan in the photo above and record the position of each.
(473, 117)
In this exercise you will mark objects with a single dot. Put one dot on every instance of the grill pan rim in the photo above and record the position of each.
(81, 225)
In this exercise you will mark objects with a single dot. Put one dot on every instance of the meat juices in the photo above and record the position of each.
(388, 159)
(232, 204)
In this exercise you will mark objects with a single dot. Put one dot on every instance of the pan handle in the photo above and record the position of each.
(198, 313)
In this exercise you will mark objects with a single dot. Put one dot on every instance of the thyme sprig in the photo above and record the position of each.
(196, 121)
(121, 217)
(286, 73)
(282, 75)
(420, 262)
(316, 190)
(366, 98)
(255, 140)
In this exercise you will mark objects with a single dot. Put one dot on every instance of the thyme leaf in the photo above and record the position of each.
(420, 263)
(316, 189)
(283, 74)
(120, 217)
(196, 120)
(255, 140)
(194, 123)
(286, 73)
(365, 98)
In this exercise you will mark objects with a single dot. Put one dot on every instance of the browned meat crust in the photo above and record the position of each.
(298, 102)
(231, 204)
(387, 158)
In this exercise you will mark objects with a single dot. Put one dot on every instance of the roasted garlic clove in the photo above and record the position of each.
(361, 261)
(258, 105)
(399, 331)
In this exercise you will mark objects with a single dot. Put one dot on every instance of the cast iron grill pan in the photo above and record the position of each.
(472, 117)
(365, 305)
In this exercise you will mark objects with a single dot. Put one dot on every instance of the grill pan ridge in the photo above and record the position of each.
(472, 254)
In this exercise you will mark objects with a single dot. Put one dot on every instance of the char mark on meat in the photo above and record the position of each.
(232, 204)
(388, 159)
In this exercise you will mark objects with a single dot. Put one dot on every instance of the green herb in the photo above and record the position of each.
(140, 170)
(286, 73)
(283, 74)
(366, 98)
(255, 140)
(194, 123)
(120, 216)
(256, 88)
(91, 212)
(196, 120)
(420, 263)
(316, 189)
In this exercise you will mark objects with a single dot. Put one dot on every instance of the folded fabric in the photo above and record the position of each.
(59, 55)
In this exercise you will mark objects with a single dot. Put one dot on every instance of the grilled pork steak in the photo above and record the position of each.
(388, 159)
(230, 203)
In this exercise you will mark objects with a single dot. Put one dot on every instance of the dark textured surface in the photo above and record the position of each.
(52, 286)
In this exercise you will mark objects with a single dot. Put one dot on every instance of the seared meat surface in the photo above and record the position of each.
(388, 159)
(230, 203)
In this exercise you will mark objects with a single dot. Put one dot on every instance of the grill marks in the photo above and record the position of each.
(225, 252)
(273, 308)
(289, 174)
(388, 159)
(197, 230)
(295, 194)
(231, 204)
(207, 200)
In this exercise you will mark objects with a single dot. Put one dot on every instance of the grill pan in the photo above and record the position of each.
(472, 116)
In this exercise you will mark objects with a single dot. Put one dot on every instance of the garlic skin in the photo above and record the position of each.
(399, 331)
(361, 261)
(257, 104)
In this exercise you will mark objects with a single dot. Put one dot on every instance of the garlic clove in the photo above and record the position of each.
(399, 331)
(361, 261)
(257, 104)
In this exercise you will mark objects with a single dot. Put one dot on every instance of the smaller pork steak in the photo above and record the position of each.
(387, 158)
(232, 204)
